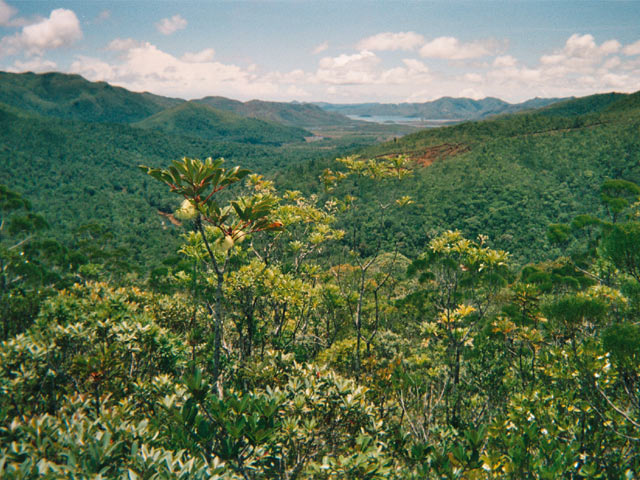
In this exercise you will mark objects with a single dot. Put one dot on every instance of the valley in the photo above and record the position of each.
(211, 288)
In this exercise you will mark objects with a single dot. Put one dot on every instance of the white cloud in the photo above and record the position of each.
(94, 69)
(471, 93)
(167, 26)
(632, 49)
(581, 51)
(505, 61)
(297, 92)
(119, 44)
(202, 56)
(580, 67)
(451, 48)
(6, 12)
(611, 63)
(617, 81)
(145, 67)
(415, 65)
(391, 41)
(473, 77)
(345, 69)
(62, 28)
(34, 65)
(321, 48)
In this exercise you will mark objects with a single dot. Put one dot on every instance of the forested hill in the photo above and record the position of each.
(397, 313)
(304, 115)
(72, 147)
(72, 97)
(77, 173)
(203, 121)
(445, 108)
(510, 177)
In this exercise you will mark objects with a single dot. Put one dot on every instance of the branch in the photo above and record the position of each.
(625, 415)
(206, 244)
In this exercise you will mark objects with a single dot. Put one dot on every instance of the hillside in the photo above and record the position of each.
(386, 319)
(592, 104)
(304, 115)
(445, 108)
(203, 121)
(76, 173)
(508, 177)
(511, 176)
(72, 97)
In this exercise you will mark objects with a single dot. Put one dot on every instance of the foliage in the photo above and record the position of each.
(300, 335)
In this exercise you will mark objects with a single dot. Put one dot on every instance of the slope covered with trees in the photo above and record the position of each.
(303, 115)
(259, 355)
(72, 97)
(510, 177)
(445, 108)
(78, 173)
(196, 120)
(462, 302)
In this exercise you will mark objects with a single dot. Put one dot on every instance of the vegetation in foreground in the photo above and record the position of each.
(259, 355)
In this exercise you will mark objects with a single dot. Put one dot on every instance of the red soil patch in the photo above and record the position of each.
(439, 152)
(426, 156)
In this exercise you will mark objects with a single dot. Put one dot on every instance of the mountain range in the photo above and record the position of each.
(446, 108)
(72, 147)
(73, 97)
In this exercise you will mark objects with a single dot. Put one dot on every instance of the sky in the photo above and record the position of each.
(348, 51)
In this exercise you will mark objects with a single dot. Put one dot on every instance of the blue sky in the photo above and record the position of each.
(336, 51)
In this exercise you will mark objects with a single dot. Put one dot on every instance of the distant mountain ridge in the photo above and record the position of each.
(203, 121)
(72, 97)
(445, 108)
(72, 146)
(305, 115)
(69, 96)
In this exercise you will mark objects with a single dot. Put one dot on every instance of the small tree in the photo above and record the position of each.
(217, 229)
(24, 262)
(361, 280)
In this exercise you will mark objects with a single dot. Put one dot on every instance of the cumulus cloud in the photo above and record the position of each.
(94, 69)
(321, 48)
(6, 13)
(119, 44)
(581, 66)
(451, 48)
(62, 28)
(632, 49)
(391, 41)
(471, 93)
(144, 67)
(617, 81)
(167, 26)
(345, 69)
(33, 65)
(202, 56)
(504, 61)
(581, 51)
(473, 77)
(415, 65)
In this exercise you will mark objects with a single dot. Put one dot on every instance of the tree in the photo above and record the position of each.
(361, 281)
(217, 229)
(461, 280)
(21, 268)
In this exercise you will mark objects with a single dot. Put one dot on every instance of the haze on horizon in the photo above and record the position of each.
(339, 52)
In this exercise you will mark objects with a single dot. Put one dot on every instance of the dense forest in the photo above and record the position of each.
(460, 302)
